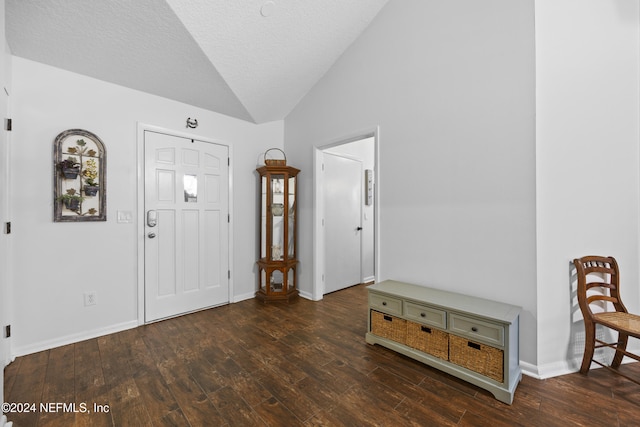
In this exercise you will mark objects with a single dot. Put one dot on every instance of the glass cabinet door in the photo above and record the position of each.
(291, 232)
(277, 217)
(263, 218)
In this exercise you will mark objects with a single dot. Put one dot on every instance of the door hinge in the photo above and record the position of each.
(7, 227)
(8, 126)
(228, 161)
(228, 274)
(229, 218)
(7, 331)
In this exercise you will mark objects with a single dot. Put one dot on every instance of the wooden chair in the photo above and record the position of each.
(598, 291)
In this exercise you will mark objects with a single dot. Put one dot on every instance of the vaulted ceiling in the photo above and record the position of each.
(249, 59)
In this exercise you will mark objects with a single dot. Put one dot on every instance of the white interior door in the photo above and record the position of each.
(186, 225)
(5, 263)
(342, 221)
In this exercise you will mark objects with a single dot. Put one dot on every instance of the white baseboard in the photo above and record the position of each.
(529, 370)
(243, 297)
(306, 295)
(4, 422)
(565, 367)
(548, 371)
(70, 339)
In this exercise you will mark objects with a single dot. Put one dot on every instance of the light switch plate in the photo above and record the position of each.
(125, 217)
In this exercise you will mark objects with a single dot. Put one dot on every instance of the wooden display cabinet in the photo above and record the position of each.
(278, 229)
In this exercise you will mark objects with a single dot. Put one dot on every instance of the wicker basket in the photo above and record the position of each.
(428, 340)
(480, 358)
(388, 326)
(275, 162)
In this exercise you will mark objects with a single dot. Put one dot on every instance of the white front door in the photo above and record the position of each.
(186, 225)
(342, 221)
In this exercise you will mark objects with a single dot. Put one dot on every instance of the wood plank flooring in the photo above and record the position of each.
(299, 364)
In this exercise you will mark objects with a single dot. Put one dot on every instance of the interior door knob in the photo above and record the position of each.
(358, 228)
(151, 235)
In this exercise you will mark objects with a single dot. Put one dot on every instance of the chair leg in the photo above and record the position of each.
(589, 346)
(622, 345)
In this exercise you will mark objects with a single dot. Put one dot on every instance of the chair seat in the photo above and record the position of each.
(625, 322)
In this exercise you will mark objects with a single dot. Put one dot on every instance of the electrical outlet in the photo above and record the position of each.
(90, 298)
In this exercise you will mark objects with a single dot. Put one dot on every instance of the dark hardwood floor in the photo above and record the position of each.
(304, 363)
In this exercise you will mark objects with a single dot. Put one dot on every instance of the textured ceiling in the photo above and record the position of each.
(250, 59)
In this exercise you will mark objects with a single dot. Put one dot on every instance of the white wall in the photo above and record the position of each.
(451, 85)
(587, 73)
(55, 263)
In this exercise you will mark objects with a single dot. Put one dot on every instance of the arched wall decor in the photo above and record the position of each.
(79, 177)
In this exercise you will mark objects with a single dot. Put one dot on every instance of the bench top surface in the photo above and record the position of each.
(465, 304)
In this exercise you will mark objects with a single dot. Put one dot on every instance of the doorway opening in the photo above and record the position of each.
(345, 213)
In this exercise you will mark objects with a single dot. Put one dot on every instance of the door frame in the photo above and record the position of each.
(140, 220)
(318, 207)
(6, 264)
